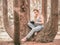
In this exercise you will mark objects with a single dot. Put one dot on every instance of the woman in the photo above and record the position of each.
(36, 25)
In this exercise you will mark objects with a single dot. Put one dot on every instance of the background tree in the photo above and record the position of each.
(14, 34)
(9, 30)
(16, 24)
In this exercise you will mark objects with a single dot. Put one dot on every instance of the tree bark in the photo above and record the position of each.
(14, 34)
(24, 17)
(50, 30)
(44, 10)
(8, 29)
(21, 9)
(16, 24)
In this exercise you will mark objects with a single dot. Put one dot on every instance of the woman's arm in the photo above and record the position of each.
(42, 20)
(35, 18)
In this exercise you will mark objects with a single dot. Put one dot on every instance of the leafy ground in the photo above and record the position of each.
(55, 42)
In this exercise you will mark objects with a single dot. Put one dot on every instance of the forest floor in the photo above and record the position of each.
(55, 42)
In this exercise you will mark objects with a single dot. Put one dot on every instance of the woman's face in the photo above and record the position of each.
(36, 13)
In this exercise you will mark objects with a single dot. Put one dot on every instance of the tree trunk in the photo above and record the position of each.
(44, 10)
(14, 34)
(24, 17)
(50, 30)
(16, 24)
(8, 29)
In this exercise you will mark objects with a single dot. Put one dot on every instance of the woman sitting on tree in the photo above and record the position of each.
(35, 25)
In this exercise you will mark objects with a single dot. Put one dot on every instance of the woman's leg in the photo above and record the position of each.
(31, 25)
(36, 29)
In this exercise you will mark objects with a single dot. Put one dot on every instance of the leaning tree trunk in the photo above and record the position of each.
(50, 30)
(8, 29)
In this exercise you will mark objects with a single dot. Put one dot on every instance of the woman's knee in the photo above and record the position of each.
(38, 28)
(34, 30)
(29, 23)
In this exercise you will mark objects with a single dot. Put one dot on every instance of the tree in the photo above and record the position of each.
(50, 29)
(24, 17)
(16, 24)
(9, 30)
(14, 34)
